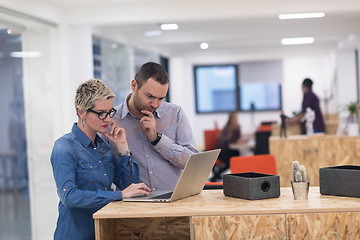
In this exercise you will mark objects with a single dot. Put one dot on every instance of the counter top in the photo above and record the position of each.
(314, 136)
(213, 202)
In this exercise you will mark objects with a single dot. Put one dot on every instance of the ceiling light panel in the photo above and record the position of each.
(294, 41)
(153, 33)
(169, 26)
(301, 15)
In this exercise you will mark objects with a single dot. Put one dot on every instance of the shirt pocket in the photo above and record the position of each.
(87, 173)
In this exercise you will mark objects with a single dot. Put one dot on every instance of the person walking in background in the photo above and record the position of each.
(231, 133)
(85, 166)
(159, 133)
(310, 100)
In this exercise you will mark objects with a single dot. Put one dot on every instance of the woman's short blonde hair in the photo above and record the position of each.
(91, 91)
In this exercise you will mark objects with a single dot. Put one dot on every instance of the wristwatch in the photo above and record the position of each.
(126, 153)
(159, 135)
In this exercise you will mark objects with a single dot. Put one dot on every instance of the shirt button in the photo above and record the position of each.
(90, 166)
(154, 189)
(94, 148)
(64, 189)
(147, 155)
(144, 139)
(151, 172)
(99, 161)
(105, 174)
(105, 189)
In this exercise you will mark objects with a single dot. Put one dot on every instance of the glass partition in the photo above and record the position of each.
(14, 191)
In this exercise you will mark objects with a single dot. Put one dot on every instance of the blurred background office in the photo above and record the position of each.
(47, 47)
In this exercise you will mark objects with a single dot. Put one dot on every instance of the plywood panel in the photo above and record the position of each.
(143, 228)
(239, 227)
(215, 203)
(314, 152)
(345, 225)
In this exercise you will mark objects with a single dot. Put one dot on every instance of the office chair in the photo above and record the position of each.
(257, 163)
(210, 139)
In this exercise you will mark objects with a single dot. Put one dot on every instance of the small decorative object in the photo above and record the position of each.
(251, 185)
(300, 185)
(283, 124)
(353, 125)
(340, 181)
(309, 118)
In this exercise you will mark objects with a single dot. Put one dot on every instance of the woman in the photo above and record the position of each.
(230, 134)
(85, 166)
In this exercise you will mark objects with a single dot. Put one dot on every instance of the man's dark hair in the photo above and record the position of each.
(151, 70)
(307, 83)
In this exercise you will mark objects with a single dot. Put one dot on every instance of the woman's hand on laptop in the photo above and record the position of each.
(135, 189)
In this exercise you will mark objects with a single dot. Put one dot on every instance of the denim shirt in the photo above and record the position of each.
(84, 173)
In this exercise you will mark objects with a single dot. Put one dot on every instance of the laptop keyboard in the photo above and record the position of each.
(163, 196)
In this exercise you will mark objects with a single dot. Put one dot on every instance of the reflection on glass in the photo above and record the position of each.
(111, 64)
(14, 196)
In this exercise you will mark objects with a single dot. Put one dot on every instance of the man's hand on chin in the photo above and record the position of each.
(148, 125)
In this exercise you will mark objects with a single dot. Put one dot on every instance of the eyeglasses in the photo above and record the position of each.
(103, 115)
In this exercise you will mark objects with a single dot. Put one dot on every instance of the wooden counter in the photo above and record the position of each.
(211, 215)
(331, 127)
(313, 152)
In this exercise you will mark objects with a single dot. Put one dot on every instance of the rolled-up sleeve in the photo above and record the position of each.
(178, 151)
(64, 169)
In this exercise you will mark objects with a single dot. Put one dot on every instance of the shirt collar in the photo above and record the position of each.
(85, 140)
(125, 109)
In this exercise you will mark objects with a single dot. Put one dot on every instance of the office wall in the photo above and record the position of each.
(346, 71)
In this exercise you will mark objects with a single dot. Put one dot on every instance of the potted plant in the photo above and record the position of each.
(299, 183)
(353, 125)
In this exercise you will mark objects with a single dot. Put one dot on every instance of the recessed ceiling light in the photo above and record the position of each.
(153, 33)
(204, 45)
(293, 41)
(169, 26)
(301, 15)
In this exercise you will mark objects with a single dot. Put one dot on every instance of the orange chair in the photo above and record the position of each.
(213, 185)
(264, 128)
(210, 139)
(257, 163)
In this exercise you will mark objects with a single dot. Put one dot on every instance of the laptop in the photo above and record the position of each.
(191, 181)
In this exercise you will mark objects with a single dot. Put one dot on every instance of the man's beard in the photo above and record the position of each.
(140, 107)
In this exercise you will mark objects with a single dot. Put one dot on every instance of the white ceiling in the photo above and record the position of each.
(227, 26)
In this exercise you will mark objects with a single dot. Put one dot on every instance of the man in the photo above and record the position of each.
(158, 132)
(310, 100)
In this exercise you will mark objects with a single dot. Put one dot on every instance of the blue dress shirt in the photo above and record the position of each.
(84, 173)
(160, 165)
